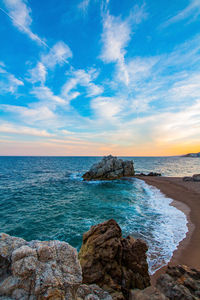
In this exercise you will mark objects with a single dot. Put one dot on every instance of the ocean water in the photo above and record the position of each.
(45, 198)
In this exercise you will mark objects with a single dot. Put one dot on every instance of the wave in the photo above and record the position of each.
(169, 232)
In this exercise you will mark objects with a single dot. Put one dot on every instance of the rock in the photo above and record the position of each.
(154, 174)
(110, 168)
(180, 282)
(38, 270)
(187, 178)
(192, 155)
(150, 293)
(114, 263)
(196, 177)
(92, 292)
(149, 174)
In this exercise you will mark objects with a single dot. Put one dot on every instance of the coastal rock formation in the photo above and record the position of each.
(178, 283)
(38, 270)
(149, 174)
(92, 292)
(195, 177)
(150, 293)
(115, 263)
(192, 155)
(109, 168)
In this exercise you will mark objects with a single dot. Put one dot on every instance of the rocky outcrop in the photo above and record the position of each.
(150, 293)
(178, 283)
(92, 292)
(114, 263)
(195, 178)
(192, 155)
(110, 168)
(42, 270)
(149, 174)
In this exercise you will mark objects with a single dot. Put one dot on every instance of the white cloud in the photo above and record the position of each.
(37, 74)
(83, 6)
(23, 130)
(58, 54)
(107, 107)
(31, 114)
(85, 79)
(192, 11)
(19, 12)
(45, 94)
(8, 82)
(115, 37)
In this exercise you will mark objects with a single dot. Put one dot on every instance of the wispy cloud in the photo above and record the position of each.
(58, 54)
(23, 130)
(8, 82)
(116, 36)
(20, 14)
(85, 79)
(192, 11)
(46, 95)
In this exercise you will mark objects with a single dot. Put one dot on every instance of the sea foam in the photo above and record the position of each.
(171, 229)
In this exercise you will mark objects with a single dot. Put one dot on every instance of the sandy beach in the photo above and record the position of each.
(186, 196)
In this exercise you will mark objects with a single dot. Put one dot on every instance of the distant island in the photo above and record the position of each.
(192, 155)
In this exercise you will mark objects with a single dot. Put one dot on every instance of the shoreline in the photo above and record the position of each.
(186, 197)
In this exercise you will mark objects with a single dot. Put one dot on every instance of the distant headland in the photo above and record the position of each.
(192, 155)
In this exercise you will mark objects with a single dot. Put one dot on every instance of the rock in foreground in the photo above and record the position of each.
(42, 270)
(114, 263)
(110, 168)
(178, 283)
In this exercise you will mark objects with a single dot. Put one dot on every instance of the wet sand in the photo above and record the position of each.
(186, 196)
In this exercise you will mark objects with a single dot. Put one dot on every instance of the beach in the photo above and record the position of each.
(186, 197)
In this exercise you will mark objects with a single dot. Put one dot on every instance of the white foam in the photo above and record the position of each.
(171, 230)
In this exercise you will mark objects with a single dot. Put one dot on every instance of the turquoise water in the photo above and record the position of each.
(45, 198)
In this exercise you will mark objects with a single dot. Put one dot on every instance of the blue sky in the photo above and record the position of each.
(98, 77)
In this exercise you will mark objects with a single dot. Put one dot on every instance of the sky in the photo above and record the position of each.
(98, 77)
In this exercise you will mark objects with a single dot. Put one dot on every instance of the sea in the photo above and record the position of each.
(45, 198)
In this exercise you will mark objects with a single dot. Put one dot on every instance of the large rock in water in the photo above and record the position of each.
(110, 167)
(114, 263)
(42, 270)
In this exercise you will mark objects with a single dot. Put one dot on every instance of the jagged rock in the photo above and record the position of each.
(109, 168)
(115, 263)
(150, 293)
(38, 270)
(180, 283)
(195, 177)
(92, 292)
(149, 174)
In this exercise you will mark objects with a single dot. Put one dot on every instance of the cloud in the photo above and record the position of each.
(23, 130)
(45, 94)
(83, 6)
(37, 74)
(30, 114)
(82, 78)
(8, 82)
(107, 108)
(192, 11)
(20, 14)
(116, 36)
(58, 54)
